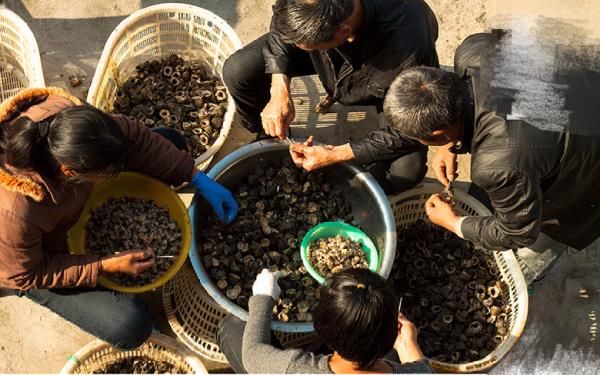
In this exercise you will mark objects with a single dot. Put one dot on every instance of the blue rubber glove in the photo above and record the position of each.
(221, 200)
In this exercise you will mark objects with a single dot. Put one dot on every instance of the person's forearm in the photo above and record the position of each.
(280, 86)
(491, 234)
(343, 153)
(258, 354)
(409, 352)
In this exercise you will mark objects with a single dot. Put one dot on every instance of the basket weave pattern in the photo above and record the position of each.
(158, 31)
(98, 354)
(194, 317)
(409, 206)
(20, 64)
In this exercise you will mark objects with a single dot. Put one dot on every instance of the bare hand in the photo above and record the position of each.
(406, 343)
(441, 213)
(445, 165)
(131, 262)
(280, 112)
(297, 156)
(311, 157)
(407, 331)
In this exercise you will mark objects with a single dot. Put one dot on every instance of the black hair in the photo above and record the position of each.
(82, 138)
(423, 99)
(310, 21)
(357, 316)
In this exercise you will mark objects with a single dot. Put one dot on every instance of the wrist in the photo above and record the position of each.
(198, 179)
(280, 86)
(409, 350)
(452, 222)
(343, 153)
(104, 265)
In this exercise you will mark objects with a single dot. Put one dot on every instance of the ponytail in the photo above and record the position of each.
(82, 138)
(25, 145)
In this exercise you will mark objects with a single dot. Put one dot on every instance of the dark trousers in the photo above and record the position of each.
(120, 319)
(398, 175)
(230, 336)
(249, 85)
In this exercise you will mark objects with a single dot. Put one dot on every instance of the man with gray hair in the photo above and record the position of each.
(357, 47)
(543, 182)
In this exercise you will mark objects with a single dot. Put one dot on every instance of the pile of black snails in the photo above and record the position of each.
(452, 292)
(279, 203)
(139, 365)
(174, 93)
(125, 223)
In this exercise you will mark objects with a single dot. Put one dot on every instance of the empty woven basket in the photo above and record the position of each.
(20, 64)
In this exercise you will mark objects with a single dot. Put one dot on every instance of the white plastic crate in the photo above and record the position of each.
(20, 64)
(409, 207)
(159, 31)
(195, 317)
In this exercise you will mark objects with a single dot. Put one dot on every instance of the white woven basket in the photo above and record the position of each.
(408, 207)
(194, 317)
(20, 64)
(158, 31)
(98, 354)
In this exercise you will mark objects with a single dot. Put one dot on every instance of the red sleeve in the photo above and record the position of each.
(153, 155)
(25, 265)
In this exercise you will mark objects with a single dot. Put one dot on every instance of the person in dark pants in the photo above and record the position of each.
(53, 146)
(356, 47)
(357, 319)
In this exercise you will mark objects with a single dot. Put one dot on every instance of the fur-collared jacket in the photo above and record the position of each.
(36, 212)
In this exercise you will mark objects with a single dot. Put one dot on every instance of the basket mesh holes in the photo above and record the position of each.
(142, 34)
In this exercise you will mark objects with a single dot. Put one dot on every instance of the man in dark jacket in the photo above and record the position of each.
(538, 179)
(357, 47)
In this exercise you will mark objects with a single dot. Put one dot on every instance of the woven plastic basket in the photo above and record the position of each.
(158, 31)
(194, 317)
(409, 207)
(159, 347)
(20, 64)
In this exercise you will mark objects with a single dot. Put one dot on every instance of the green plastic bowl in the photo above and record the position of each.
(332, 229)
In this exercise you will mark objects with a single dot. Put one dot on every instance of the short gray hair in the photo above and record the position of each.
(422, 100)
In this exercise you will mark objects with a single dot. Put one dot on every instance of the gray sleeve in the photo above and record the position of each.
(418, 367)
(259, 356)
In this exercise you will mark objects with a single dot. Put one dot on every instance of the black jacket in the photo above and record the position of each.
(396, 34)
(537, 180)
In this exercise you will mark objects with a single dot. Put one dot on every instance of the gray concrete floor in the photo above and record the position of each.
(71, 35)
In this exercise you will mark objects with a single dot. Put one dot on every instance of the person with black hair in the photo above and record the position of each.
(542, 178)
(357, 47)
(356, 318)
(53, 146)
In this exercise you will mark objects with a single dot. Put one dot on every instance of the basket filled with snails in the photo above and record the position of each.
(279, 204)
(469, 304)
(162, 67)
(159, 355)
(134, 212)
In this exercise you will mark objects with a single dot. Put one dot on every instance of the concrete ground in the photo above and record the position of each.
(562, 333)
